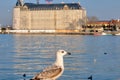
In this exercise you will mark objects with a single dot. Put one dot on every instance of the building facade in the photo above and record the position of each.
(63, 16)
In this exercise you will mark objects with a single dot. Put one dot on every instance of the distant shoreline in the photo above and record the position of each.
(59, 32)
(50, 33)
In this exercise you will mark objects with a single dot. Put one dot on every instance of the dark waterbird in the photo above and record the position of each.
(105, 53)
(90, 77)
(24, 76)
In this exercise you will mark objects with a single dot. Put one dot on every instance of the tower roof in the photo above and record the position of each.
(19, 3)
(33, 6)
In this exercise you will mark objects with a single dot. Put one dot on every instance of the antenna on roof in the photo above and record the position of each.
(37, 1)
(79, 1)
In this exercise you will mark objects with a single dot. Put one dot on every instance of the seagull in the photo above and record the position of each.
(55, 71)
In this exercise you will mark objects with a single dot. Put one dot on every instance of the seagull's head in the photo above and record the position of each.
(63, 52)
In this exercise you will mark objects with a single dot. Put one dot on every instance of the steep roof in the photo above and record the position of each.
(33, 6)
(19, 3)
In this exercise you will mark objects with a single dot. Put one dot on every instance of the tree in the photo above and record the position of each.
(93, 18)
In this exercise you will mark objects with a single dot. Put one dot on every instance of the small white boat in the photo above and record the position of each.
(117, 34)
(103, 33)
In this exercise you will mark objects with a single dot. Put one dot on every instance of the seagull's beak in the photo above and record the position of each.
(68, 53)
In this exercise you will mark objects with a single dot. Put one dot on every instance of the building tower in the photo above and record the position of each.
(19, 3)
(16, 14)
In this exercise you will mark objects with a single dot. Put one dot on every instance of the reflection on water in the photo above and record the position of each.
(29, 54)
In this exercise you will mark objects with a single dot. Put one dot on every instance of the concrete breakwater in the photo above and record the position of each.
(74, 32)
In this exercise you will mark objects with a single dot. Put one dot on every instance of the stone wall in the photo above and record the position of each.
(47, 19)
(16, 18)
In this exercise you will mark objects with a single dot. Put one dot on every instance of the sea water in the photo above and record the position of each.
(98, 56)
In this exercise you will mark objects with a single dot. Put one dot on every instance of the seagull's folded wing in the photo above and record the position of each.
(51, 67)
(51, 73)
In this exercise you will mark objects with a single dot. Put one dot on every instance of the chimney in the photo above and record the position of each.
(37, 1)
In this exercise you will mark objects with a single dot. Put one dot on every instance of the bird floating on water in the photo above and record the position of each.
(105, 53)
(90, 77)
(55, 71)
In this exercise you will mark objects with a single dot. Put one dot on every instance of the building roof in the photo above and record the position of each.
(33, 6)
(105, 23)
(19, 3)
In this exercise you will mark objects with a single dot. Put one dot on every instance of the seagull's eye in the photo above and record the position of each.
(62, 51)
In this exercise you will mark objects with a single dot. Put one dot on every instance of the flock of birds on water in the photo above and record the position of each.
(54, 71)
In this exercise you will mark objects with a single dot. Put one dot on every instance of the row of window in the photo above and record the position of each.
(72, 8)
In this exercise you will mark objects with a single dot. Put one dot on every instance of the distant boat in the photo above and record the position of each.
(107, 33)
(103, 33)
(117, 34)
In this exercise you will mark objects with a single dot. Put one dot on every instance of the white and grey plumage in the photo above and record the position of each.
(55, 71)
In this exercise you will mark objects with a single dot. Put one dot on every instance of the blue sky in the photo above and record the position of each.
(103, 9)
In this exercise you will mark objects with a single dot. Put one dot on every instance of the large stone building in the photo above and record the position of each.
(62, 16)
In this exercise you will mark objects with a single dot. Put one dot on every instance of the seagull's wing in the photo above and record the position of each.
(48, 74)
(51, 67)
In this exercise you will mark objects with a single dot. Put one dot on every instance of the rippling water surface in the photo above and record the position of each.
(29, 54)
